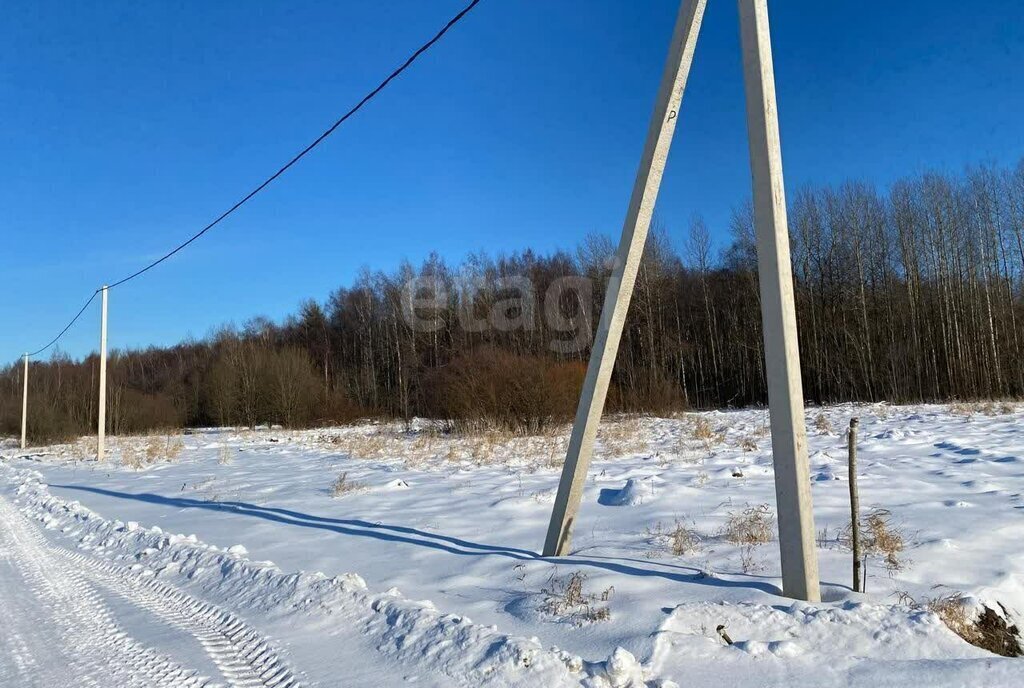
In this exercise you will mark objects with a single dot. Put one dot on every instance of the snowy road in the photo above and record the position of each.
(69, 620)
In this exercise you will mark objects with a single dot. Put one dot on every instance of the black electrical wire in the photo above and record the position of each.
(66, 327)
(330, 130)
(369, 96)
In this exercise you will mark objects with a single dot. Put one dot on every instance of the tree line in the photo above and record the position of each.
(912, 293)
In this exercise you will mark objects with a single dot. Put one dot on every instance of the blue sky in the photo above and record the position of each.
(127, 126)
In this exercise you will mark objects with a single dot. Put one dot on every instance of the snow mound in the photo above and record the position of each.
(806, 644)
(633, 493)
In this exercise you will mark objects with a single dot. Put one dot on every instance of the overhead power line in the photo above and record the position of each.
(330, 130)
(66, 327)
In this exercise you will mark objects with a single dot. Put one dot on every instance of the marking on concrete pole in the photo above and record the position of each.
(623, 277)
(778, 312)
(24, 404)
(101, 425)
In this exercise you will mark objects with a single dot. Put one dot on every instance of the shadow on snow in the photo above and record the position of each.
(419, 538)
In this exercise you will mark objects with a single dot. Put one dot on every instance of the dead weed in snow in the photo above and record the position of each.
(679, 539)
(988, 629)
(565, 598)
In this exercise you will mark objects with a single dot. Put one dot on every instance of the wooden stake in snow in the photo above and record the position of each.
(854, 504)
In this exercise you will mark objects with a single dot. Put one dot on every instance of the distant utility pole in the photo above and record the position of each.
(24, 403)
(102, 424)
(778, 313)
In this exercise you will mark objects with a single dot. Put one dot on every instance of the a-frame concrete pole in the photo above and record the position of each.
(101, 425)
(778, 313)
(620, 285)
(24, 404)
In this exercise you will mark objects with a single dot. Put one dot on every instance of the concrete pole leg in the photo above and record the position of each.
(778, 312)
(620, 285)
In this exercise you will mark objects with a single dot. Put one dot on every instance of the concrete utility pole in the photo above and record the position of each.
(24, 403)
(778, 311)
(785, 394)
(102, 424)
(623, 277)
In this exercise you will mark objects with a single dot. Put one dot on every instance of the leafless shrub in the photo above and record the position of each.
(566, 599)
(822, 424)
(224, 456)
(343, 486)
(489, 388)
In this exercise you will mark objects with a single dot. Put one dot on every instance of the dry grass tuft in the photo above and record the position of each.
(140, 452)
(748, 444)
(439, 444)
(620, 437)
(823, 425)
(167, 448)
(566, 599)
(749, 529)
(967, 409)
(678, 539)
(700, 429)
(225, 456)
(132, 457)
(753, 526)
(988, 629)
(343, 486)
(880, 537)
(357, 445)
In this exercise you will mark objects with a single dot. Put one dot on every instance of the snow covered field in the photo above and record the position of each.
(420, 566)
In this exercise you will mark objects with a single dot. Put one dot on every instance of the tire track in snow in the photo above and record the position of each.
(239, 652)
(99, 651)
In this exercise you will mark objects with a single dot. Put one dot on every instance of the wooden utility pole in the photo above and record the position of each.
(785, 394)
(623, 277)
(854, 503)
(101, 426)
(778, 310)
(24, 403)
